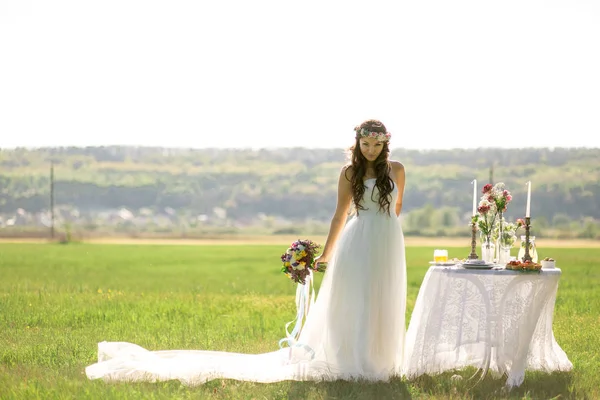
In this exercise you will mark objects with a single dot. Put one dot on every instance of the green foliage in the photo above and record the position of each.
(300, 183)
(58, 302)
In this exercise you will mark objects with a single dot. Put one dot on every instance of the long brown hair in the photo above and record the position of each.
(358, 162)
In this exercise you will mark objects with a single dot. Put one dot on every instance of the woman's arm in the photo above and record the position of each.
(400, 179)
(344, 199)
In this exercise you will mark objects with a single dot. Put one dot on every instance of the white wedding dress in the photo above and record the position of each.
(354, 330)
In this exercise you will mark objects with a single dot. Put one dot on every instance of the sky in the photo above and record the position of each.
(266, 74)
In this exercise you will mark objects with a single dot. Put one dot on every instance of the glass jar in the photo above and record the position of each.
(532, 249)
(488, 251)
(504, 254)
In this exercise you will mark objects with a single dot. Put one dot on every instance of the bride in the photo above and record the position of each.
(356, 327)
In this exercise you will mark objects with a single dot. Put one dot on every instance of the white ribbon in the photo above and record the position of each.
(305, 298)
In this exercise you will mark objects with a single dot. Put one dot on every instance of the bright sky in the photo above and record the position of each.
(239, 73)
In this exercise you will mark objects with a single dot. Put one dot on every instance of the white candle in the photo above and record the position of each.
(474, 196)
(528, 209)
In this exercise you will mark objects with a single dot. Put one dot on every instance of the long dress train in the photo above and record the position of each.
(354, 330)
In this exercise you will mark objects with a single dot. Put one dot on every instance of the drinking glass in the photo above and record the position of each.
(440, 255)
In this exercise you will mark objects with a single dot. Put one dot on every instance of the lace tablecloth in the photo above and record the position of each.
(496, 320)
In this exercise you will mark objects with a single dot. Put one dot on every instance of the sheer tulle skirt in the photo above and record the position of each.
(354, 330)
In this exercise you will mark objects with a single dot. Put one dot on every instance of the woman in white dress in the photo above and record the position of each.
(356, 327)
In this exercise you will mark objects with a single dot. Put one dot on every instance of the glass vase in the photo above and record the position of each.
(488, 250)
(532, 249)
(500, 235)
(504, 254)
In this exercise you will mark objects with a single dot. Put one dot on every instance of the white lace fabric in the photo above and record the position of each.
(499, 321)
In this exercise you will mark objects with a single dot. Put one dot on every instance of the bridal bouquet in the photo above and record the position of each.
(298, 260)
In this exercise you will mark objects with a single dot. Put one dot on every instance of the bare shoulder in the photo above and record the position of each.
(397, 166)
(398, 173)
(346, 172)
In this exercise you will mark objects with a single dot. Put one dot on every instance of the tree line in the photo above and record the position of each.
(294, 183)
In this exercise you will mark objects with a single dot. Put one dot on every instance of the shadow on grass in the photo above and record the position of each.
(350, 390)
(465, 384)
(461, 384)
(557, 385)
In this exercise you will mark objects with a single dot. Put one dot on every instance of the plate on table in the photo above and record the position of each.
(443, 263)
(480, 264)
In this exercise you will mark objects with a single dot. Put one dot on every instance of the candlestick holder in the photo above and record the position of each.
(473, 255)
(527, 256)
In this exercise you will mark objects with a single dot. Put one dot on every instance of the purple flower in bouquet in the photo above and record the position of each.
(298, 260)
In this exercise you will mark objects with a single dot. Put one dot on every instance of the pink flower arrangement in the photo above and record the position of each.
(497, 195)
(494, 201)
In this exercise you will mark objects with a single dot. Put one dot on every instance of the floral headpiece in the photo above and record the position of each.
(380, 136)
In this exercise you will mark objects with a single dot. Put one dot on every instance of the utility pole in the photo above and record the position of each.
(492, 174)
(52, 199)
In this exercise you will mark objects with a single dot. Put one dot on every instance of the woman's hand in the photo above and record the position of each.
(323, 260)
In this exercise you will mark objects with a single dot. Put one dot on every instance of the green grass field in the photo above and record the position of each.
(58, 301)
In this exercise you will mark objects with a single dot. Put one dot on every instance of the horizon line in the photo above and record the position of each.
(276, 148)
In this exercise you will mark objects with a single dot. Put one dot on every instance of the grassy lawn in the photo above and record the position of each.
(58, 301)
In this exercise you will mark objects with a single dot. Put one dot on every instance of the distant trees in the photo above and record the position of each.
(300, 184)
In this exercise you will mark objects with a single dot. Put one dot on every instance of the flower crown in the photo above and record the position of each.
(380, 136)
